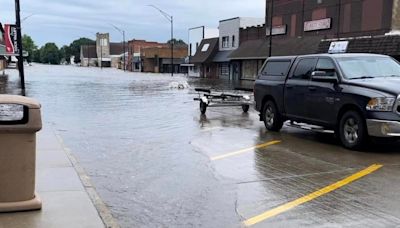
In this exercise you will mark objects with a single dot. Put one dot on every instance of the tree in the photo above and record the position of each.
(28, 45)
(75, 48)
(36, 56)
(49, 53)
(65, 54)
(177, 42)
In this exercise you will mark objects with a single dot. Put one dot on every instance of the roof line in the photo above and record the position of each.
(230, 19)
(197, 27)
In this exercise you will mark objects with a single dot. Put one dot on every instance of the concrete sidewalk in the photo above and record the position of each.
(66, 200)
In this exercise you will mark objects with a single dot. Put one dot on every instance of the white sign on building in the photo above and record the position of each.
(317, 24)
(277, 30)
(338, 47)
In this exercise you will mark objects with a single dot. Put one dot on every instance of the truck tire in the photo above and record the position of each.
(352, 130)
(203, 107)
(271, 116)
(245, 108)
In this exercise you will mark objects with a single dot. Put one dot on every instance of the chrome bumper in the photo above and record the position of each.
(383, 128)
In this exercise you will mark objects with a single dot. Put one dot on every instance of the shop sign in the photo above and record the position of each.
(317, 25)
(277, 30)
(10, 39)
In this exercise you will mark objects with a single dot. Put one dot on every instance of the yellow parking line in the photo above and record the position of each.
(288, 206)
(244, 150)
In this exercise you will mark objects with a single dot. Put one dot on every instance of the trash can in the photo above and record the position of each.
(20, 119)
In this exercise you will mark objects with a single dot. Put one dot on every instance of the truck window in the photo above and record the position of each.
(275, 69)
(327, 66)
(304, 68)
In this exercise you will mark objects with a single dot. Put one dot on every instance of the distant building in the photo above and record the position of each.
(88, 56)
(252, 52)
(196, 35)
(103, 53)
(203, 59)
(229, 40)
(135, 61)
(158, 59)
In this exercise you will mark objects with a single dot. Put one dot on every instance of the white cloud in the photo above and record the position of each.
(62, 21)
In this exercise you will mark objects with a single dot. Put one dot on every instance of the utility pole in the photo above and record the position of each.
(19, 44)
(270, 27)
(172, 47)
(171, 20)
(123, 37)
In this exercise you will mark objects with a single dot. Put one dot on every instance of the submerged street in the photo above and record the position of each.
(157, 162)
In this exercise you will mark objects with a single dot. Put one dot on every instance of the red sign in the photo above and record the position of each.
(10, 39)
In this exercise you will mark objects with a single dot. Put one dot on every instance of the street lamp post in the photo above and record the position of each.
(123, 37)
(171, 20)
(270, 27)
(19, 44)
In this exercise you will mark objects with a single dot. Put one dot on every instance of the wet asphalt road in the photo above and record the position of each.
(150, 154)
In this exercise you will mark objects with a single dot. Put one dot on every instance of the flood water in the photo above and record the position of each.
(132, 134)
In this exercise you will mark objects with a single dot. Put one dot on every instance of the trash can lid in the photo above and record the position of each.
(14, 99)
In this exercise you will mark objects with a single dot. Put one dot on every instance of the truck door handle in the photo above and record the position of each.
(312, 88)
(289, 87)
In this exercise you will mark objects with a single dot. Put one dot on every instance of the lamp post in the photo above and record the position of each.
(271, 11)
(171, 20)
(123, 37)
(25, 18)
(19, 44)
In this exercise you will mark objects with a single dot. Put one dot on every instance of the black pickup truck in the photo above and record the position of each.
(356, 96)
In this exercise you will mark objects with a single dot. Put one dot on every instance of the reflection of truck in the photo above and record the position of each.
(353, 95)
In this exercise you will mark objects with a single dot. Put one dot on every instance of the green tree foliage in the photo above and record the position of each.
(65, 54)
(176, 42)
(36, 56)
(49, 53)
(75, 48)
(29, 46)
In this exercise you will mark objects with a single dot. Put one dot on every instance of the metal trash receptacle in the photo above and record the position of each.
(20, 119)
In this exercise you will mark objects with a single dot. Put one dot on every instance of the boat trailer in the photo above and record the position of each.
(208, 98)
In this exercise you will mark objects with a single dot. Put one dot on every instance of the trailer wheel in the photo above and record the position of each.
(203, 107)
(245, 108)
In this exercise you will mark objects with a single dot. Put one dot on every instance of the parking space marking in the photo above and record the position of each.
(288, 206)
(244, 150)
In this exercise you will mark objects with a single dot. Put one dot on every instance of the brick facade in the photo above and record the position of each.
(157, 59)
(348, 18)
(135, 49)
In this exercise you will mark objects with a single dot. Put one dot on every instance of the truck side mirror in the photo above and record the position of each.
(323, 76)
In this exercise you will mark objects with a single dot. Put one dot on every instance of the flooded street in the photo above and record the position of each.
(156, 162)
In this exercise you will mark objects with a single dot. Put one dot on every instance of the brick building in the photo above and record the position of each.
(299, 25)
(158, 59)
(252, 51)
(135, 62)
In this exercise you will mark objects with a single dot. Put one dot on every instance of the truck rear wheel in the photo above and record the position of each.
(352, 130)
(271, 116)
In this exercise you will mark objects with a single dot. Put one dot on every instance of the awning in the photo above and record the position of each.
(222, 56)
(105, 59)
(176, 61)
(252, 49)
(206, 51)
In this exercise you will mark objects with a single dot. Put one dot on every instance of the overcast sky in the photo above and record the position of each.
(62, 21)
